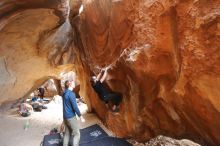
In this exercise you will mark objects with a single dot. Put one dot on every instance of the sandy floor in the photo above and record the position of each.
(13, 133)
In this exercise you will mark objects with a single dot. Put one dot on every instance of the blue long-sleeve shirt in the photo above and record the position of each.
(70, 108)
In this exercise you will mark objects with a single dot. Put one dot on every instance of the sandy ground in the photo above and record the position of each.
(13, 133)
(12, 125)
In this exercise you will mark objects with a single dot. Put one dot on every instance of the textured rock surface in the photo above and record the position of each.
(165, 141)
(164, 54)
(22, 29)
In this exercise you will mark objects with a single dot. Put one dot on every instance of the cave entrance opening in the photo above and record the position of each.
(49, 91)
(40, 123)
(42, 96)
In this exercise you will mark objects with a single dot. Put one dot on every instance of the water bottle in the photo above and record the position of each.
(27, 124)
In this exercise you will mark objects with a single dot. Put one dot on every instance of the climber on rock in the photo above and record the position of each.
(104, 93)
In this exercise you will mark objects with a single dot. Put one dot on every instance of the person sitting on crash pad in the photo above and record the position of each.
(25, 109)
(38, 105)
(104, 93)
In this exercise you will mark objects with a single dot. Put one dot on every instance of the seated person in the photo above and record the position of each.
(103, 92)
(25, 109)
(37, 104)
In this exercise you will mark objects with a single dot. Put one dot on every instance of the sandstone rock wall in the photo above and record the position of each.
(164, 57)
(25, 61)
(165, 60)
